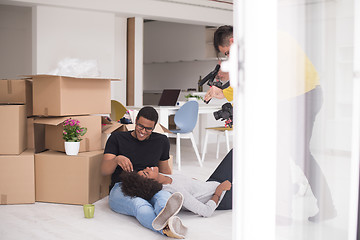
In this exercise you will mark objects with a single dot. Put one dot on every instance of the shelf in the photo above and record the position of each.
(185, 61)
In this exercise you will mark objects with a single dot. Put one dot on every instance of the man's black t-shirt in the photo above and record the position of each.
(142, 154)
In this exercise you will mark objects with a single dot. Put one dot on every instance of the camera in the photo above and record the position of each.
(225, 113)
(210, 79)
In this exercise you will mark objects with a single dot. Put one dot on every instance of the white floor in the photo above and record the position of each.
(59, 221)
(49, 221)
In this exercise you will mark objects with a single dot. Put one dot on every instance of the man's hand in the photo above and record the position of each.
(214, 92)
(124, 163)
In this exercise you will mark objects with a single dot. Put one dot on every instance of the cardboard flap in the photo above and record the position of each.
(109, 128)
(50, 121)
(52, 77)
(164, 129)
(129, 127)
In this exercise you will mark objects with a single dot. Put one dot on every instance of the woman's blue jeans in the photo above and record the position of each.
(144, 211)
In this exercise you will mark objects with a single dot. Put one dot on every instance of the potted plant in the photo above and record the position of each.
(72, 133)
(191, 97)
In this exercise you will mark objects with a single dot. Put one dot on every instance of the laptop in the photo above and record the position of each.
(169, 97)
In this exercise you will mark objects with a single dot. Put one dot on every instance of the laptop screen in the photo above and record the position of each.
(169, 97)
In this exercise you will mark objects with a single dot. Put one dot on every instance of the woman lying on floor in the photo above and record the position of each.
(199, 197)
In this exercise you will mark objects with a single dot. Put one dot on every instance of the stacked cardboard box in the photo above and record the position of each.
(34, 121)
(32, 112)
(17, 184)
(61, 178)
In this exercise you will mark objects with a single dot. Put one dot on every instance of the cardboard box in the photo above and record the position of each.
(13, 129)
(30, 133)
(17, 91)
(109, 126)
(70, 179)
(64, 96)
(17, 178)
(51, 136)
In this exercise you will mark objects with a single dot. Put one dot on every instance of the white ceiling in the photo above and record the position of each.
(218, 4)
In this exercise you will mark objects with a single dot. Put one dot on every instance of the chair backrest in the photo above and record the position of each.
(117, 110)
(186, 117)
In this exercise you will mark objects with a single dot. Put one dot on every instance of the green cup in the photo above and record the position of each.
(89, 210)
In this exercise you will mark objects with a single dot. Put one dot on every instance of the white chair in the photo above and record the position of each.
(185, 120)
(219, 131)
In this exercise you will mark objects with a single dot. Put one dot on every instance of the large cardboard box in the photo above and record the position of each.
(13, 129)
(17, 178)
(70, 179)
(64, 96)
(18, 91)
(51, 136)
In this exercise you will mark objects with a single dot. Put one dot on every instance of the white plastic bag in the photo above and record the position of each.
(73, 67)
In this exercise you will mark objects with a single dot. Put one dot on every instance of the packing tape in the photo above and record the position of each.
(3, 200)
(46, 111)
(9, 86)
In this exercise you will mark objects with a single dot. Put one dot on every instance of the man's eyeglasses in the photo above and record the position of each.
(141, 127)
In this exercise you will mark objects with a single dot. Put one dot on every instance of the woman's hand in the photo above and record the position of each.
(224, 186)
(124, 163)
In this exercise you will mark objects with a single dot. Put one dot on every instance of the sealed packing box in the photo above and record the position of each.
(18, 91)
(63, 96)
(17, 178)
(50, 137)
(13, 129)
(70, 179)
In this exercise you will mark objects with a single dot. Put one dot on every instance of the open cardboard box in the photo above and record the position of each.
(17, 91)
(48, 133)
(17, 178)
(63, 96)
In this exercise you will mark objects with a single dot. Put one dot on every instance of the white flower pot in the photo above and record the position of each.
(72, 148)
(192, 99)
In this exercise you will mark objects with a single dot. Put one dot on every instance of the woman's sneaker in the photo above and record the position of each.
(175, 228)
(172, 207)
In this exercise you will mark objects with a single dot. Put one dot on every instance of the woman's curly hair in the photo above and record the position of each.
(134, 185)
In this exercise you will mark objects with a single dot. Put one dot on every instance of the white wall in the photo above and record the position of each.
(175, 55)
(15, 41)
(138, 64)
(87, 31)
(63, 33)
(167, 41)
(181, 75)
(118, 91)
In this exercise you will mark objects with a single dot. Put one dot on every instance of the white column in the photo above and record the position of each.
(139, 38)
(355, 148)
(255, 95)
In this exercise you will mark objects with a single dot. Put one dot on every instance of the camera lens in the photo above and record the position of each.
(217, 114)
